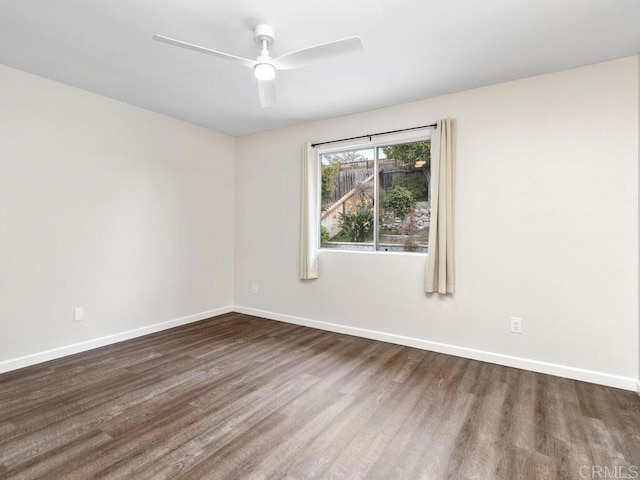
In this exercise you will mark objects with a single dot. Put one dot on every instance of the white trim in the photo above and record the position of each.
(573, 373)
(32, 359)
(590, 376)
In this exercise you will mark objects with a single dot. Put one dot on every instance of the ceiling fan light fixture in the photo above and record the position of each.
(264, 67)
(264, 71)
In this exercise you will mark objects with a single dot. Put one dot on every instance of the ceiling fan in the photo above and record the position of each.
(264, 67)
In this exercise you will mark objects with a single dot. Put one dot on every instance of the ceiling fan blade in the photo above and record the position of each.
(320, 53)
(267, 91)
(242, 61)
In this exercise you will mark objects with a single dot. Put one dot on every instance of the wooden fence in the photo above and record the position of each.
(346, 180)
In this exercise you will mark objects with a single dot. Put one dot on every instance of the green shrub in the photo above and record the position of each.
(357, 224)
(414, 183)
(324, 235)
(327, 180)
(400, 201)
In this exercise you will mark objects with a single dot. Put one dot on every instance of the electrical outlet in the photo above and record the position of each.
(516, 325)
(255, 288)
(78, 314)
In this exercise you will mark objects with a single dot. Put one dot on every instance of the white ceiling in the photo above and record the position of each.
(413, 49)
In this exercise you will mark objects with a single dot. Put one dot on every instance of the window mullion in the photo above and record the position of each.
(376, 207)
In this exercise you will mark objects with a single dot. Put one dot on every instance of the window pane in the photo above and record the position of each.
(404, 208)
(347, 218)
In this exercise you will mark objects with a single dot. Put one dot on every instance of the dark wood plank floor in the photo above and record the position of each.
(239, 397)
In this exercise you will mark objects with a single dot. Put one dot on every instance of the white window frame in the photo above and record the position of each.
(375, 143)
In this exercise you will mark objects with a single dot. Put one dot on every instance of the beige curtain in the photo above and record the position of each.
(309, 215)
(440, 258)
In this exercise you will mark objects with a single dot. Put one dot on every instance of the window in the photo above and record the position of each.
(376, 197)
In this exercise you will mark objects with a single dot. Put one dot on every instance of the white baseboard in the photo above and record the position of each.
(32, 359)
(573, 373)
(590, 376)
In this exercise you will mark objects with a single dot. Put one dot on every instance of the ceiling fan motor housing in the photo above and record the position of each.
(263, 32)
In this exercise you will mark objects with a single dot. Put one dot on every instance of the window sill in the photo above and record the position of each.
(331, 251)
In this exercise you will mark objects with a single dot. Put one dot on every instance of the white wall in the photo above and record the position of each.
(125, 212)
(131, 215)
(546, 227)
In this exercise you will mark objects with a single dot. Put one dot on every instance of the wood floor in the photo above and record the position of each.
(239, 397)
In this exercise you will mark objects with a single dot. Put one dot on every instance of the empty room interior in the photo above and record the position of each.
(307, 239)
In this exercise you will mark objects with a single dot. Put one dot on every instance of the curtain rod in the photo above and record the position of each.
(433, 125)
